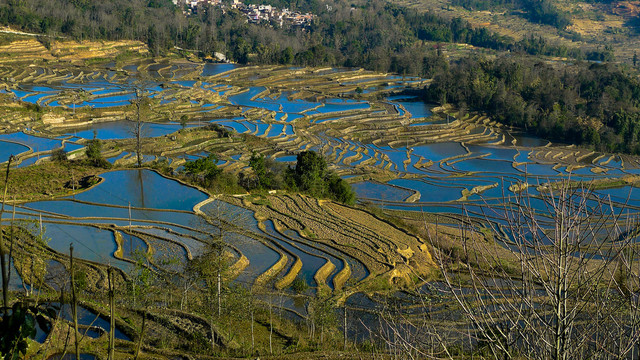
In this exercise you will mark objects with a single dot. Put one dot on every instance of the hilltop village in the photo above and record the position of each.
(255, 14)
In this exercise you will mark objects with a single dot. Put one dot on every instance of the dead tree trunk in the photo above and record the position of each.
(144, 324)
(3, 260)
(74, 300)
(112, 319)
(138, 132)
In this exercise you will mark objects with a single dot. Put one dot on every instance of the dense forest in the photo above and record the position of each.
(586, 103)
(373, 34)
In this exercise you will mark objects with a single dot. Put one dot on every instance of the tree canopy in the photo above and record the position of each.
(374, 34)
(311, 176)
(587, 103)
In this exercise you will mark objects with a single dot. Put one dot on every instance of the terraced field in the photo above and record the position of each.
(349, 115)
(400, 154)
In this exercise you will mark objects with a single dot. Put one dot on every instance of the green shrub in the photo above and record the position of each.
(94, 154)
(311, 176)
(59, 155)
(299, 285)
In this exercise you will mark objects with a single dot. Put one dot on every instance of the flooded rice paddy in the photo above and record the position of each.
(398, 152)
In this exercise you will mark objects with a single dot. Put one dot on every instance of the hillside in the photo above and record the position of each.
(591, 25)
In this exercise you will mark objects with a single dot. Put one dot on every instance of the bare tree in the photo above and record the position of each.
(569, 288)
(74, 302)
(141, 103)
(322, 316)
(221, 223)
(77, 97)
(112, 317)
(145, 282)
(3, 258)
